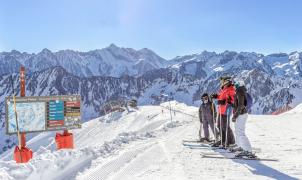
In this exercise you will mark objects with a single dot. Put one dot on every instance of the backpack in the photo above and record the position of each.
(248, 102)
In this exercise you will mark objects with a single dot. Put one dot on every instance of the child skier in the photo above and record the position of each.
(207, 114)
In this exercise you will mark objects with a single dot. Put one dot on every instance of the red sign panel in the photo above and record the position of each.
(72, 104)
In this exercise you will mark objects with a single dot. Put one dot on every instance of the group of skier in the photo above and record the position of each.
(219, 109)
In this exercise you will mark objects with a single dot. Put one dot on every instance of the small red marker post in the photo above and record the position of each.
(65, 140)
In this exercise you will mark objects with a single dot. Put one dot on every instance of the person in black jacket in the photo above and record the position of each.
(240, 117)
(207, 114)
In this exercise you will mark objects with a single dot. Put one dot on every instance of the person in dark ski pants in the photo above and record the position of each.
(225, 99)
(240, 117)
(207, 114)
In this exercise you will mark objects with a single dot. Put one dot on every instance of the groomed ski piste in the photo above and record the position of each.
(145, 144)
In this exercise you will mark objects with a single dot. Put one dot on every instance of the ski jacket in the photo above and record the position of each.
(225, 98)
(206, 111)
(240, 102)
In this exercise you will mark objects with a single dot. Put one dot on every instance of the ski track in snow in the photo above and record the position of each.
(144, 144)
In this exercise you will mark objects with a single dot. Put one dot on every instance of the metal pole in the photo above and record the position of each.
(220, 127)
(214, 123)
(226, 130)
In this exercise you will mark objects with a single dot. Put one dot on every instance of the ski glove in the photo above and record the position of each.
(214, 96)
(229, 101)
(221, 102)
(233, 119)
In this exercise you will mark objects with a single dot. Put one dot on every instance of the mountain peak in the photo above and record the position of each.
(45, 51)
(207, 53)
(15, 52)
(113, 46)
(146, 51)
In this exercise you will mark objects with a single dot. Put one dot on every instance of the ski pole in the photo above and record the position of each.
(220, 127)
(200, 131)
(201, 124)
(216, 126)
(217, 122)
(215, 137)
(226, 130)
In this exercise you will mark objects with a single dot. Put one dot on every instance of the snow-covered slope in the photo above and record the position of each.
(296, 110)
(144, 144)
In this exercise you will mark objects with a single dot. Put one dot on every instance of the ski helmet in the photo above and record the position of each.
(239, 83)
(205, 98)
(204, 95)
(225, 80)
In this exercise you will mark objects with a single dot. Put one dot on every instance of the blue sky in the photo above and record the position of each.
(169, 27)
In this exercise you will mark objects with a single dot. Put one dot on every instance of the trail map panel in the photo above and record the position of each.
(43, 113)
(31, 117)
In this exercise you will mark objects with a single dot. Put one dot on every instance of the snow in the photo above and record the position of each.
(191, 69)
(144, 144)
(218, 69)
(296, 110)
(284, 64)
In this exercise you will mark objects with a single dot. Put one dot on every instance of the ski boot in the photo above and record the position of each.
(217, 144)
(235, 149)
(205, 140)
(245, 154)
(233, 145)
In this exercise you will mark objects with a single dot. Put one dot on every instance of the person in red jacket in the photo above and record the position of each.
(225, 99)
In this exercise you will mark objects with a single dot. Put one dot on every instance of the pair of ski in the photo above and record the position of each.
(202, 145)
(217, 155)
(195, 144)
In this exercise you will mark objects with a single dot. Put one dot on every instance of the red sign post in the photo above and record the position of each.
(22, 154)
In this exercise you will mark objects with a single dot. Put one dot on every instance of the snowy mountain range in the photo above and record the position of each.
(108, 74)
(111, 61)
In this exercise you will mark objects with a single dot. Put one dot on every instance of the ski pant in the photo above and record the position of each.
(241, 138)
(205, 127)
(225, 127)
